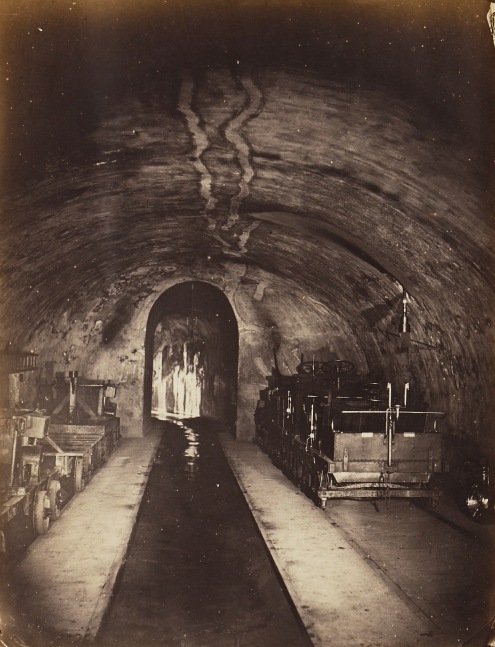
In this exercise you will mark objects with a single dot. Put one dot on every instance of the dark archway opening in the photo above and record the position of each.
(191, 355)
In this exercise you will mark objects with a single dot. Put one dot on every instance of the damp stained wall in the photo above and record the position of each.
(308, 170)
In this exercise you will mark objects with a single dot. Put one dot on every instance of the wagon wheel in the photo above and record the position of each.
(476, 503)
(320, 485)
(41, 512)
(312, 480)
(291, 465)
(286, 462)
(55, 495)
(26, 474)
(78, 475)
(322, 478)
(310, 368)
(338, 366)
(299, 473)
(105, 451)
(309, 478)
(303, 475)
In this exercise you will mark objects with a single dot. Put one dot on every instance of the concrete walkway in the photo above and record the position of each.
(64, 582)
(341, 597)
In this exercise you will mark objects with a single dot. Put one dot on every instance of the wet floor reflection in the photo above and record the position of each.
(191, 453)
(198, 573)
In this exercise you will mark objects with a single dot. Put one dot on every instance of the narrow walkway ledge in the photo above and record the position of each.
(341, 598)
(65, 581)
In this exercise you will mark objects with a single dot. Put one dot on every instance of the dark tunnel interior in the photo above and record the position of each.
(191, 349)
(308, 167)
(202, 201)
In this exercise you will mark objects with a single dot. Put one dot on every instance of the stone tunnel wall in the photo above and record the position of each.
(277, 319)
(321, 205)
(280, 321)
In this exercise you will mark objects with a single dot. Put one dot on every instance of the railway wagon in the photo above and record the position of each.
(338, 435)
(25, 486)
(46, 459)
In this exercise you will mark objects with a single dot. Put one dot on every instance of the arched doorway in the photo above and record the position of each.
(191, 355)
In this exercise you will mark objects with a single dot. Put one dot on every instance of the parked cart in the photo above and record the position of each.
(77, 450)
(46, 459)
(26, 485)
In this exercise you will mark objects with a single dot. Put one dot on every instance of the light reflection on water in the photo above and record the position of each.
(191, 453)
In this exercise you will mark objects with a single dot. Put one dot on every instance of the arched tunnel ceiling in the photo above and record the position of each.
(345, 148)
